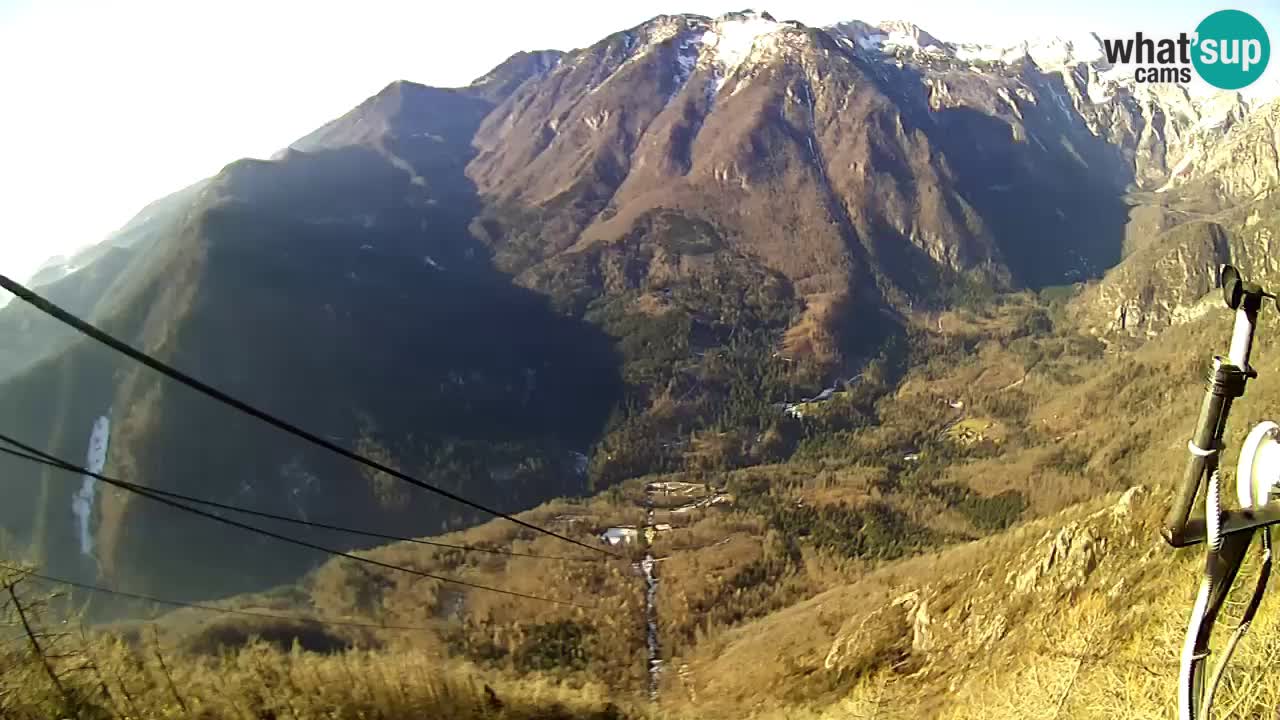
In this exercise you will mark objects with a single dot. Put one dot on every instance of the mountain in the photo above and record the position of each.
(505, 78)
(893, 37)
(725, 121)
(626, 257)
(86, 283)
(1220, 206)
(870, 346)
(337, 288)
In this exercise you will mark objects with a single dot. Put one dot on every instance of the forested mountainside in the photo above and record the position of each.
(638, 257)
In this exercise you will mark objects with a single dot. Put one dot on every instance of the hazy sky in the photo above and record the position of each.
(106, 105)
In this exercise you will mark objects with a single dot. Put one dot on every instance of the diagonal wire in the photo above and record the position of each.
(50, 461)
(207, 608)
(43, 458)
(44, 305)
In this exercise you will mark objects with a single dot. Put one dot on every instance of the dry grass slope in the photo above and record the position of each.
(95, 676)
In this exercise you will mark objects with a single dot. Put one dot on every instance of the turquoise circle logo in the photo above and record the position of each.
(1232, 49)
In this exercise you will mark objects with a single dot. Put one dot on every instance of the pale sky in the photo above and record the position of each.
(106, 105)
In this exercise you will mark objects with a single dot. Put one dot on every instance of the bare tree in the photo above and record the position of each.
(25, 614)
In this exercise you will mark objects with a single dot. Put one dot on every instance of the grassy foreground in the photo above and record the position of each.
(109, 676)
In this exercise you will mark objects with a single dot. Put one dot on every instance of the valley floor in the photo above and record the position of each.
(975, 549)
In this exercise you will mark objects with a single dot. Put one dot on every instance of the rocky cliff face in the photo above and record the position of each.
(1237, 166)
(1150, 132)
(767, 129)
(886, 154)
(1220, 206)
(1159, 284)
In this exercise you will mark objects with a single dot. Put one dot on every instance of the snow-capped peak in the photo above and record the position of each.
(1055, 53)
(1050, 53)
(1263, 91)
(733, 36)
(720, 45)
(903, 34)
(890, 37)
(974, 52)
(744, 16)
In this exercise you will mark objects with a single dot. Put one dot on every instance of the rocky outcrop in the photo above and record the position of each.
(1241, 165)
(1222, 205)
(932, 626)
(1067, 559)
(1159, 285)
(877, 638)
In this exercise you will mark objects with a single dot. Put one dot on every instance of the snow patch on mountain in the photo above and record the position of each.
(1179, 169)
(1263, 90)
(1099, 92)
(970, 52)
(1056, 53)
(1218, 111)
(891, 38)
(906, 35)
(718, 46)
(732, 38)
(873, 41)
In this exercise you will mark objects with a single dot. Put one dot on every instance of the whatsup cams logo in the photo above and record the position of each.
(1229, 50)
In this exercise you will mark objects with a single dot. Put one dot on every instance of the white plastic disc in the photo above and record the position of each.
(1258, 469)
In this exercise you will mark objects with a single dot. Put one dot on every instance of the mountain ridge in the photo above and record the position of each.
(870, 349)
(727, 213)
